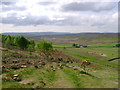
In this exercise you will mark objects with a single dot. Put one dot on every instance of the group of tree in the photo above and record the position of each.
(20, 42)
(117, 45)
(76, 45)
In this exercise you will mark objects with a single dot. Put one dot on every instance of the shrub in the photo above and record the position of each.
(21, 42)
(74, 45)
(117, 45)
(44, 46)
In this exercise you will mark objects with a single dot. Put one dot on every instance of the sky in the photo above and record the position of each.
(74, 16)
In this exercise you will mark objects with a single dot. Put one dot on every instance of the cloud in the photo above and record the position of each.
(60, 15)
(8, 3)
(7, 6)
(71, 20)
(25, 20)
(89, 6)
(46, 3)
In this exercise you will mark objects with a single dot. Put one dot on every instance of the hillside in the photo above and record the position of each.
(79, 38)
(62, 67)
(36, 71)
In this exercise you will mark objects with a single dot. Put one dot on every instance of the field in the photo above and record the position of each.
(22, 69)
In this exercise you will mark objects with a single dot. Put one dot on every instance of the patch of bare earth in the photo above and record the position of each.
(26, 81)
(96, 53)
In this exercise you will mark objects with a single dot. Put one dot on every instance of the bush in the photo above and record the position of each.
(117, 45)
(21, 42)
(44, 46)
(74, 45)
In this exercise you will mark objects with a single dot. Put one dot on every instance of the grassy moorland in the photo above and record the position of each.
(25, 69)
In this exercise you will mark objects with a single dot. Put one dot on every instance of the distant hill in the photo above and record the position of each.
(34, 34)
(41, 33)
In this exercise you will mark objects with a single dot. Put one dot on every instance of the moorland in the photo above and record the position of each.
(33, 65)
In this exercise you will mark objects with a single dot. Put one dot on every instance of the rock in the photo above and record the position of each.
(3, 66)
(3, 49)
(75, 68)
(23, 66)
(14, 78)
(70, 66)
(16, 75)
(6, 78)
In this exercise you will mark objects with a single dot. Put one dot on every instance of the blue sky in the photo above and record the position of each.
(73, 16)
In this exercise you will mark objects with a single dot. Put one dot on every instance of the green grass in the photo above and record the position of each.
(73, 76)
(28, 73)
(61, 45)
(109, 52)
(106, 45)
(99, 78)
(92, 59)
(107, 49)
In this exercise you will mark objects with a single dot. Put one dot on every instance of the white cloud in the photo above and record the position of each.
(48, 15)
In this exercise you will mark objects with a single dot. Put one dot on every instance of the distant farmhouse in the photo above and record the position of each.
(79, 46)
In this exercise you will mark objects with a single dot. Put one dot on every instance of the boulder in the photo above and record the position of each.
(23, 66)
(75, 68)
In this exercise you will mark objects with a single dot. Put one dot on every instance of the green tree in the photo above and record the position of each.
(21, 42)
(30, 48)
(8, 42)
(3, 38)
(16, 40)
(74, 45)
(31, 42)
(44, 46)
(12, 40)
(117, 45)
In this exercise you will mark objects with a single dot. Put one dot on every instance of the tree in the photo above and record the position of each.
(74, 45)
(21, 42)
(8, 42)
(16, 40)
(31, 45)
(117, 45)
(30, 48)
(44, 46)
(4, 37)
(31, 42)
(12, 40)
